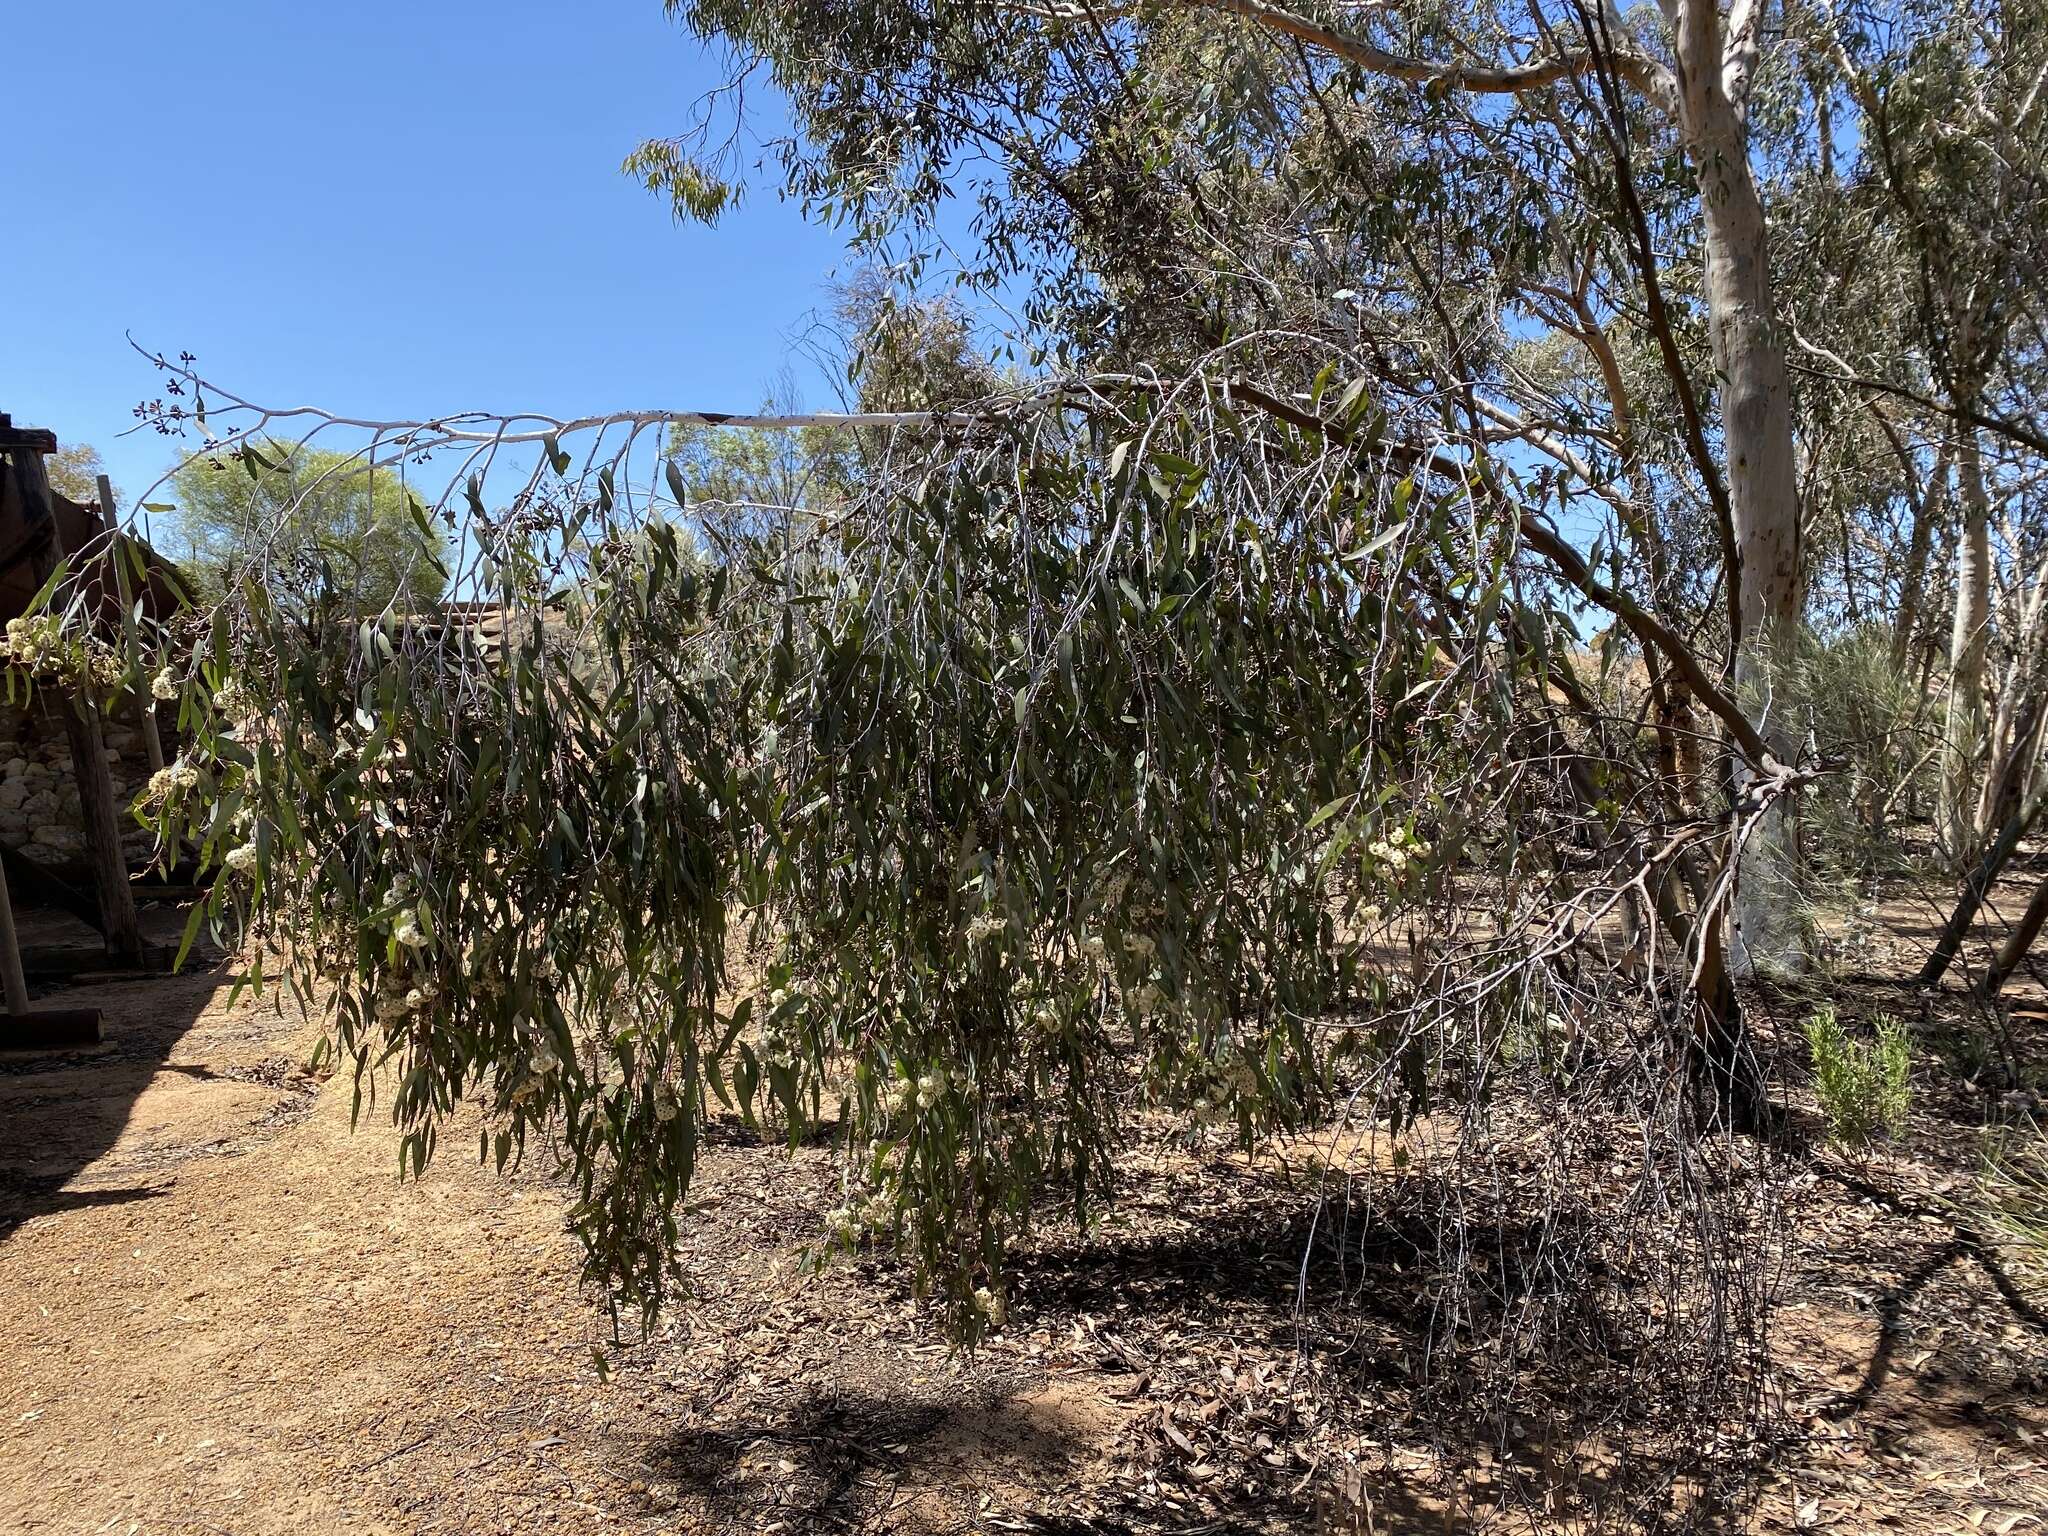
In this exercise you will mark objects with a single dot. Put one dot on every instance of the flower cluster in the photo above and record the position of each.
(233, 700)
(1399, 848)
(874, 1215)
(1234, 1080)
(926, 1091)
(176, 779)
(396, 1000)
(407, 930)
(39, 643)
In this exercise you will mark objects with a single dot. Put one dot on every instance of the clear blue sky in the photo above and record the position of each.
(387, 209)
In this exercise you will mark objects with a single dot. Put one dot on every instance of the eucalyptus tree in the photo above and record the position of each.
(1954, 175)
(1221, 176)
(1082, 755)
(1398, 485)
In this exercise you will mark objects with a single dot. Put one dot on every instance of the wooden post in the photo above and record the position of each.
(11, 978)
(48, 1028)
(145, 702)
(102, 821)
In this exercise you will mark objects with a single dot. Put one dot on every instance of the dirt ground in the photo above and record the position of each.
(222, 1312)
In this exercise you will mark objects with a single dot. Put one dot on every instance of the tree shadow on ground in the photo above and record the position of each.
(1369, 1251)
(62, 1110)
(1965, 1245)
(1367, 1301)
(843, 1459)
(1215, 1339)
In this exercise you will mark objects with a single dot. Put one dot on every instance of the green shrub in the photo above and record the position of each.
(1862, 1086)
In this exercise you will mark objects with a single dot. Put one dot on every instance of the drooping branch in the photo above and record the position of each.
(1539, 536)
(476, 430)
(486, 427)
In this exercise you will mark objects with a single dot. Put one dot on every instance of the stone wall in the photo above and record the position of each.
(39, 812)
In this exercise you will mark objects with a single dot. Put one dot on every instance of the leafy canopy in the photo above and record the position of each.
(319, 522)
(74, 472)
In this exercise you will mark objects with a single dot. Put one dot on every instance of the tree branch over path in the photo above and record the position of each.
(478, 431)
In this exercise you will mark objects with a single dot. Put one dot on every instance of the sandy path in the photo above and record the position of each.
(236, 1318)
(222, 1312)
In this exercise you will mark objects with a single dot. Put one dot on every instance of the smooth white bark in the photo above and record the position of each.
(1769, 931)
(1963, 736)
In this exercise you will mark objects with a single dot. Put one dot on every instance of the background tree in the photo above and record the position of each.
(1949, 194)
(890, 353)
(74, 471)
(334, 526)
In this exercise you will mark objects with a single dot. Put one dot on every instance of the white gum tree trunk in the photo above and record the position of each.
(1963, 735)
(1756, 416)
(1706, 91)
